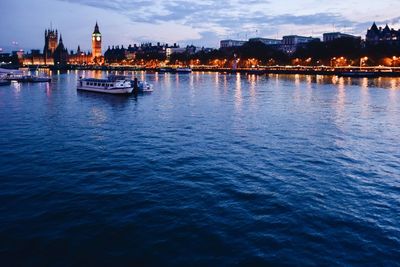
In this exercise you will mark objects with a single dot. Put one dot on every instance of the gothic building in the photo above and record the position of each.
(50, 42)
(60, 54)
(96, 43)
(381, 35)
(79, 57)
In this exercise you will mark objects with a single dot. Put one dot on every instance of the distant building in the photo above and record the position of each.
(290, 43)
(266, 41)
(60, 54)
(385, 35)
(116, 54)
(50, 42)
(55, 52)
(330, 36)
(79, 57)
(171, 50)
(96, 43)
(231, 43)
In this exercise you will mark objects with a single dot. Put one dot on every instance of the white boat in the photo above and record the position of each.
(111, 85)
(145, 87)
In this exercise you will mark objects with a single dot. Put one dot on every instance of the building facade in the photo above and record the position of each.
(50, 42)
(381, 35)
(231, 43)
(266, 41)
(79, 57)
(60, 54)
(55, 52)
(331, 36)
(290, 43)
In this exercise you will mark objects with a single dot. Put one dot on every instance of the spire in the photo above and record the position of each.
(96, 28)
(79, 49)
(61, 41)
(374, 27)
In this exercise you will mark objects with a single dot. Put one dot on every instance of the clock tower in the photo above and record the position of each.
(96, 42)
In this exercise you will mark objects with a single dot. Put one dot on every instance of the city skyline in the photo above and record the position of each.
(184, 21)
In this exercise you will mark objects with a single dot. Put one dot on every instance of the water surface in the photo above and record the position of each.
(209, 170)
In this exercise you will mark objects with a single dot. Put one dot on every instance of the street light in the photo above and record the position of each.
(363, 60)
(333, 60)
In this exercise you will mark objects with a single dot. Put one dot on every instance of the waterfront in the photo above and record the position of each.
(210, 169)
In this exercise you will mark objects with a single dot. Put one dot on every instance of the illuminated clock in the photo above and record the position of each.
(98, 38)
(94, 38)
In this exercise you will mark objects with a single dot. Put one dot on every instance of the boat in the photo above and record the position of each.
(6, 74)
(145, 87)
(28, 78)
(167, 69)
(4, 82)
(33, 79)
(111, 85)
(175, 70)
(359, 74)
(183, 70)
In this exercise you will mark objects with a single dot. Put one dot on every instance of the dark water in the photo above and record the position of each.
(209, 170)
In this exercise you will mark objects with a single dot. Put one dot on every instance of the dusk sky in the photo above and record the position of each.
(184, 21)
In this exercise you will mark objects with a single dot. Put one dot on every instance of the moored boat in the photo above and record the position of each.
(359, 74)
(111, 85)
(166, 69)
(145, 87)
(184, 70)
(28, 78)
(4, 82)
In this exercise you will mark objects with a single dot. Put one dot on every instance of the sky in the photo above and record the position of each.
(202, 23)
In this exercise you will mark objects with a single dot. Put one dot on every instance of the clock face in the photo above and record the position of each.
(93, 38)
(98, 38)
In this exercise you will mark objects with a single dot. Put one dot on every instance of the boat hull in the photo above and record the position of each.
(26, 79)
(359, 74)
(4, 82)
(114, 91)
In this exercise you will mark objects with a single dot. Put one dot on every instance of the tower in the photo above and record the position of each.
(60, 54)
(96, 42)
(50, 42)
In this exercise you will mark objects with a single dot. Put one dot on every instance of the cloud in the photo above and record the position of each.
(188, 21)
(222, 18)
